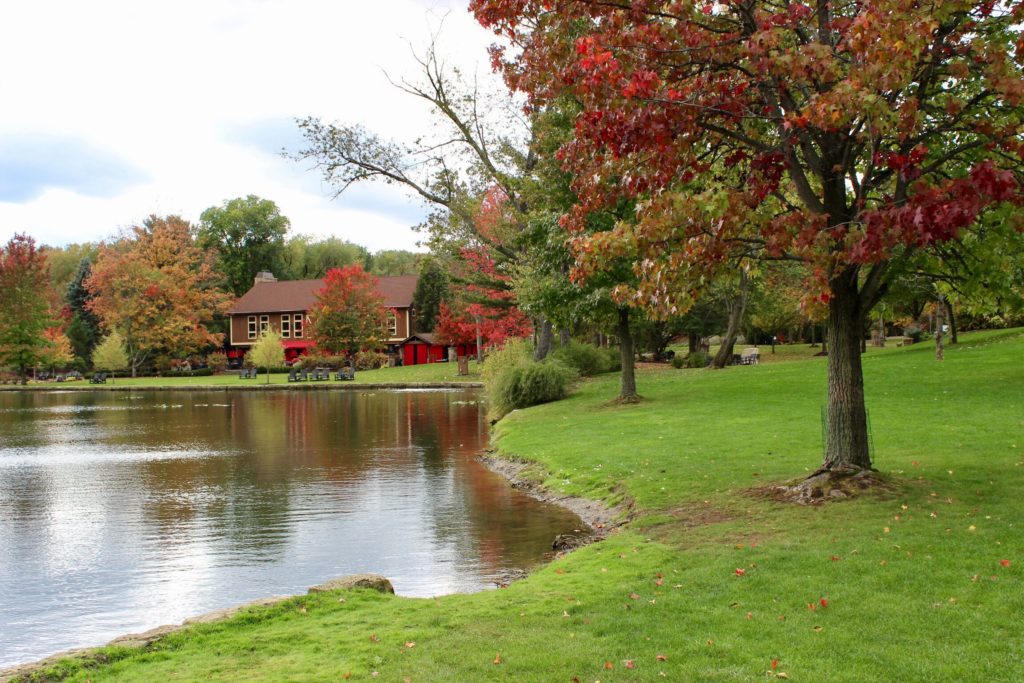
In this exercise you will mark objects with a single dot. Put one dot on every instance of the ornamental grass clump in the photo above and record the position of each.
(513, 380)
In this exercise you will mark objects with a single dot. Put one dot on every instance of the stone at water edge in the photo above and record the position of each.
(374, 581)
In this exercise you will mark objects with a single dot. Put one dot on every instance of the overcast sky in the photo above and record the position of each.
(114, 110)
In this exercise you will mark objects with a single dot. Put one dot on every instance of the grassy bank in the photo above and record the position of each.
(431, 373)
(710, 580)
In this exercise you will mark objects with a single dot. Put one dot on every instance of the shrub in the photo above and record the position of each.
(586, 359)
(679, 361)
(514, 380)
(614, 355)
(319, 360)
(370, 360)
(217, 362)
(697, 359)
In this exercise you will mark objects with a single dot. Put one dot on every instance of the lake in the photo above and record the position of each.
(124, 511)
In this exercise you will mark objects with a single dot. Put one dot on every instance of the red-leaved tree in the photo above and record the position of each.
(349, 313)
(842, 135)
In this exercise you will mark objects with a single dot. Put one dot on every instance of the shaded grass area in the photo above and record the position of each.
(710, 581)
(411, 374)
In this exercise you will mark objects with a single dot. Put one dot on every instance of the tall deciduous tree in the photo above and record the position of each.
(348, 314)
(844, 135)
(158, 289)
(249, 235)
(24, 309)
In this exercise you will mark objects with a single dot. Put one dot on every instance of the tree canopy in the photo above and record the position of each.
(248, 234)
(24, 307)
(157, 288)
(841, 135)
(348, 314)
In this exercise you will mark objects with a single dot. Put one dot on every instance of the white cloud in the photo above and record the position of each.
(173, 89)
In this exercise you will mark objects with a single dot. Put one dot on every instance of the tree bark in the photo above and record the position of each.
(951, 316)
(627, 394)
(846, 441)
(736, 308)
(939, 310)
(545, 340)
(694, 343)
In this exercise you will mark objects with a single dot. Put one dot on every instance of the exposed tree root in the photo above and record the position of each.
(827, 485)
(628, 400)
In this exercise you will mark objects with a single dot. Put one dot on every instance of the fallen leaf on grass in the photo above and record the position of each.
(634, 596)
(1005, 563)
(609, 666)
(497, 658)
(374, 638)
(823, 602)
(740, 572)
(662, 658)
(629, 664)
(348, 675)
(410, 644)
(775, 664)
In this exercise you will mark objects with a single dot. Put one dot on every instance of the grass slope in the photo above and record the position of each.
(710, 582)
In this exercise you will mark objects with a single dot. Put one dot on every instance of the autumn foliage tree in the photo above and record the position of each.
(349, 313)
(157, 288)
(843, 135)
(24, 309)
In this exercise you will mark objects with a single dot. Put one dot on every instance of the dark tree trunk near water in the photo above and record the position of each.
(846, 441)
(627, 394)
(737, 306)
(545, 340)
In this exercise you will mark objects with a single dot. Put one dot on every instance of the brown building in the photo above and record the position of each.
(284, 307)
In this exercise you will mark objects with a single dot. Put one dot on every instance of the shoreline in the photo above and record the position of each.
(248, 387)
(600, 519)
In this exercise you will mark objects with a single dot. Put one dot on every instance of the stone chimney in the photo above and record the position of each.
(264, 276)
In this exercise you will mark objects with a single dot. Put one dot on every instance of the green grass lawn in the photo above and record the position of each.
(412, 374)
(710, 580)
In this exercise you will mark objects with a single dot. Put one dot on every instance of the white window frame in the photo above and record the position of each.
(252, 327)
(297, 326)
(392, 324)
(286, 326)
(264, 324)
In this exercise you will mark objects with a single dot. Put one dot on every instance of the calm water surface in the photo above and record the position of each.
(120, 512)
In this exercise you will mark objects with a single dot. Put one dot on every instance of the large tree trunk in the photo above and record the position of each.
(951, 317)
(846, 441)
(939, 310)
(545, 340)
(693, 342)
(564, 338)
(628, 392)
(736, 308)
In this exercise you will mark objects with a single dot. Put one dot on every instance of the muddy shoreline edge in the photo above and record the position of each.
(601, 520)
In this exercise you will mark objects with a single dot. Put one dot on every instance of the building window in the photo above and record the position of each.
(264, 324)
(297, 326)
(392, 325)
(252, 327)
(286, 325)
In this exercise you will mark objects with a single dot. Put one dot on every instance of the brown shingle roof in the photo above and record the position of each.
(300, 295)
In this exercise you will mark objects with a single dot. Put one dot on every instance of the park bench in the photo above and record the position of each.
(99, 378)
(750, 356)
(346, 373)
